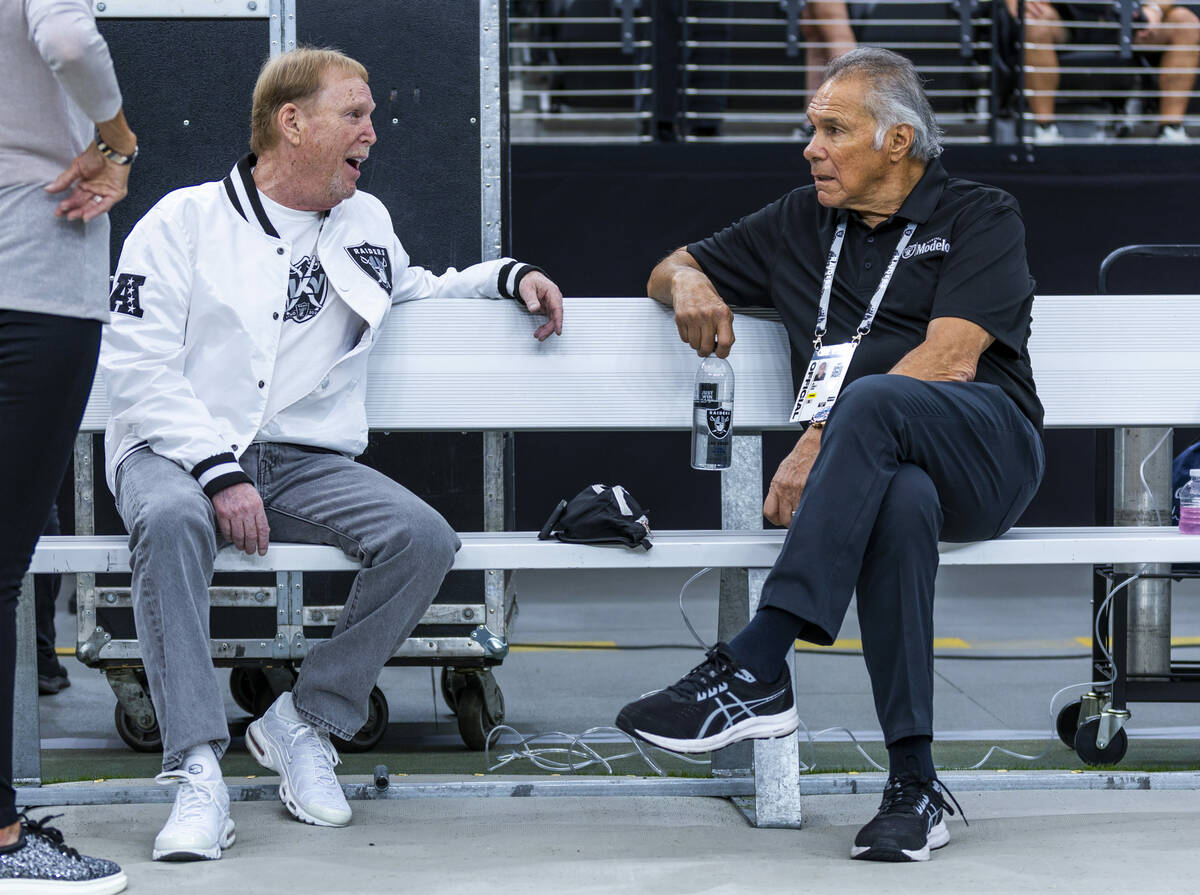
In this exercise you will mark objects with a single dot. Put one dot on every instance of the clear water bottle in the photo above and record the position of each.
(1189, 505)
(712, 415)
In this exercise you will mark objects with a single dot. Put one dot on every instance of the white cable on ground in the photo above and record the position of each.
(576, 755)
(1089, 684)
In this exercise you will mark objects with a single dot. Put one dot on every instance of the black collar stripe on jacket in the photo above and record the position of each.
(242, 192)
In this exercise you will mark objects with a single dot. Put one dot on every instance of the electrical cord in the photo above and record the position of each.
(1142, 476)
(577, 755)
(544, 756)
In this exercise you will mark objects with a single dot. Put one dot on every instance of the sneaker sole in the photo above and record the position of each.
(938, 837)
(763, 727)
(265, 753)
(107, 885)
(228, 837)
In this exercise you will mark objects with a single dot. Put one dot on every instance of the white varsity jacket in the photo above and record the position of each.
(196, 302)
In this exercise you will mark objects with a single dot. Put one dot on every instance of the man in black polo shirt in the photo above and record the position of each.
(917, 285)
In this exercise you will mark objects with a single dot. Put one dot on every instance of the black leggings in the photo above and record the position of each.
(46, 369)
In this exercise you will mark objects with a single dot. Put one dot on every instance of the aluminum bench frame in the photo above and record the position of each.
(474, 375)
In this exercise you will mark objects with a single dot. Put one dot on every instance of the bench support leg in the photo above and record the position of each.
(499, 514)
(1148, 618)
(27, 737)
(87, 642)
(776, 762)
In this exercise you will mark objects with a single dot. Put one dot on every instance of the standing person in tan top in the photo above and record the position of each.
(65, 155)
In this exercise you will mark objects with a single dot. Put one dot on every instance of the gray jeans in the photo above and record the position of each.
(311, 497)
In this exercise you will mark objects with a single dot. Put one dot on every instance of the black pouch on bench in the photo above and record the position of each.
(599, 515)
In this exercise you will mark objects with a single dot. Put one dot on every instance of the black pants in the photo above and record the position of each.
(903, 463)
(46, 369)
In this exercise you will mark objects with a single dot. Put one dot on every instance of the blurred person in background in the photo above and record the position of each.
(1170, 32)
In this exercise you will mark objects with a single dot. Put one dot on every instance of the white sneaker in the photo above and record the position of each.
(304, 759)
(1173, 133)
(199, 826)
(1046, 134)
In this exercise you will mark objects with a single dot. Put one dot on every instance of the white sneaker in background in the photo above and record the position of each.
(1173, 133)
(199, 826)
(304, 759)
(1046, 134)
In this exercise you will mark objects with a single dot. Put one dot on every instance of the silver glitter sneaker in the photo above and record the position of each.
(40, 862)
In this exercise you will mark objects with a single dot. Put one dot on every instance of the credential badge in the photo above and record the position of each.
(374, 262)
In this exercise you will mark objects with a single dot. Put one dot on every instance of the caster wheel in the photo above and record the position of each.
(247, 684)
(136, 737)
(1068, 723)
(1085, 745)
(372, 732)
(453, 683)
(474, 722)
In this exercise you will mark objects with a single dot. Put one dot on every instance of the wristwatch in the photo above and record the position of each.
(116, 157)
(818, 424)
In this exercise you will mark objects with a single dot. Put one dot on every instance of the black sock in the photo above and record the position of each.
(764, 644)
(912, 755)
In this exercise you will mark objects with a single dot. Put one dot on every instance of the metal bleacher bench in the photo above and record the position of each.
(471, 365)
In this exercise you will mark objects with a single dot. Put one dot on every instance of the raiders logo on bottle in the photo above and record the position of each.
(718, 422)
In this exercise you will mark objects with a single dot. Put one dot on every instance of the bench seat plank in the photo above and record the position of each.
(672, 550)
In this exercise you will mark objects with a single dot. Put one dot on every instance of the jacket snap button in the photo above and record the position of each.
(261, 383)
(275, 316)
(279, 251)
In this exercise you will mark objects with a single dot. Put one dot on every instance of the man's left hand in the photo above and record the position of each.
(790, 479)
(541, 296)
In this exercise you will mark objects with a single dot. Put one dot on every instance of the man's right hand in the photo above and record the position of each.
(241, 518)
(704, 321)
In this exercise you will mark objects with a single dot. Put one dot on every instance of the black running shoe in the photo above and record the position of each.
(909, 824)
(39, 861)
(716, 704)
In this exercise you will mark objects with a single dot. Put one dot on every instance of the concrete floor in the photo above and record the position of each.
(1068, 842)
(1034, 840)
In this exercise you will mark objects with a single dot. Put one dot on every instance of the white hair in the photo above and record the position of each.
(895, 95)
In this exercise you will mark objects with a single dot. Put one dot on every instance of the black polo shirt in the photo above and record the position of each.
(966, 259)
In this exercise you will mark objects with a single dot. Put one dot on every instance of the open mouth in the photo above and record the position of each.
(355, 163)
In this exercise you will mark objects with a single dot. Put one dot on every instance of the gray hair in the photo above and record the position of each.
(895, 95)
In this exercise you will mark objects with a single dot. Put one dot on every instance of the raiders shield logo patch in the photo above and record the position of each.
(126, 295)
(374, 262)
(718, 422)
(307, 289)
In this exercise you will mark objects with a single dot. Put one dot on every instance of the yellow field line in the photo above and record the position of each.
(839, 644)
(563, 645)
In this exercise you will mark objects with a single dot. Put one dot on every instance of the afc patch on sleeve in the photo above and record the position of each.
(126, 295)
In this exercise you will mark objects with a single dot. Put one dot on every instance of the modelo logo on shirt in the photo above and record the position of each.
(939, 245)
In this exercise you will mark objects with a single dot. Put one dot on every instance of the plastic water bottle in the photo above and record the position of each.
(712, 415)
(1189, 505)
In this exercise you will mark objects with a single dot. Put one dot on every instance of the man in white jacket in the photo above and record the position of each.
(244, 310)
